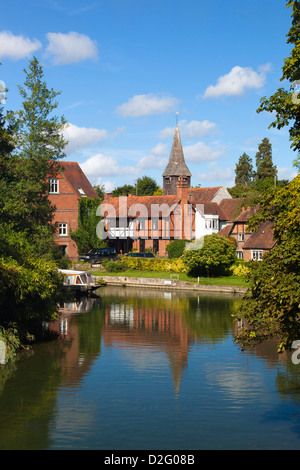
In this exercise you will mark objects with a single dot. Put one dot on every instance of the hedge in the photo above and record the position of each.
(156, 264)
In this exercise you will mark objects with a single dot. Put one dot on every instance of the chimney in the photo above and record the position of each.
(181, 185)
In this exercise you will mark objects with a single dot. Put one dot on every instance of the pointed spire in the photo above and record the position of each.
(176, 165)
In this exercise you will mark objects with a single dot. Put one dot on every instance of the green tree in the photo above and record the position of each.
(86, 236)
(124, 190)
(146, 186)
(264, 163)
(30, 142)
(271, 306)
(100, 190)
(176, 248)
(244, 171)
(39, 145)
(285, 104)
(213, 259)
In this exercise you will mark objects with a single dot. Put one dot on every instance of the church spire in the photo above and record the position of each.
(176, 166)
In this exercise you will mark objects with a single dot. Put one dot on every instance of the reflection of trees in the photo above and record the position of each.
(28, 400)
(28, 387)
(209, 317)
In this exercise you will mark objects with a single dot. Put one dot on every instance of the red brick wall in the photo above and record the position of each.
(66, 202)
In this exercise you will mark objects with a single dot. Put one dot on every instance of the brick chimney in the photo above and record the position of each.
(182, 187)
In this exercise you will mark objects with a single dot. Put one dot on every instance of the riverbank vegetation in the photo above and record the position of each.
(31, 143)
(272, 304)
(211, 261)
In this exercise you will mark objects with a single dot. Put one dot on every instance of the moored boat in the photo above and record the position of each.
(79, 281)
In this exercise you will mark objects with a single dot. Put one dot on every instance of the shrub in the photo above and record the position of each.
(155, 264)
(175, 248)
(240, 270)
(114, 266)
(213, 259)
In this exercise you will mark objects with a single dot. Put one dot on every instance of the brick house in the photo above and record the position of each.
(250, 245)
(259, 242)
(65, 190)
(151, 222)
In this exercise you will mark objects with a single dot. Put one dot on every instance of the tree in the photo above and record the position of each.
(86, 236)
(244, 171)
(213, 259)
(146, 186)
(176, 248)
(100, 190)
(270, 308)
(285, 103)
(39, 145)
(30, 144)
(264, 164)
(124, 190)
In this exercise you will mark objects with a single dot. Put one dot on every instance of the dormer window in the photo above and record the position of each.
(53, 186)
(82, 193)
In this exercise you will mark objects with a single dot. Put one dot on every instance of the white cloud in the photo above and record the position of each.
(102, 166)
(155, 157)
(189, 130)
(200, 152)
(145, 105)
(237, 81)
(287, 173)
(218, 175)
(17, 47)
(70, 47)
(79, 137)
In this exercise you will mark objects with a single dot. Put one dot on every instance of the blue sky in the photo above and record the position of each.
(125, 68)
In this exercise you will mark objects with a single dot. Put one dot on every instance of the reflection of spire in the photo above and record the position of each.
(177, 366)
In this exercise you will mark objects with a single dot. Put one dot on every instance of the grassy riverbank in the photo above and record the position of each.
(222, 281)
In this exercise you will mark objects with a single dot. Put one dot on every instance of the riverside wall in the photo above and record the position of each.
(155, 283)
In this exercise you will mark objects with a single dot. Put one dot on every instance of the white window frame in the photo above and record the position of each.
(241, 237)
(53, 186)
(256, 255)
(63, 229)
(239, 254)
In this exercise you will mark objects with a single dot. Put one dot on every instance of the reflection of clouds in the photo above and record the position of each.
(236, 383)
(145, 359)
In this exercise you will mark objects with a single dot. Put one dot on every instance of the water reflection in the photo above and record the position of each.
(156, 368)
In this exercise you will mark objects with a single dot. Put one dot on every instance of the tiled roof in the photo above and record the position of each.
(226, 231)
(202, 195)
(131, 203)
(246, 214)
(261, 239)
(211, 208)
(232, 207)
(76, 177)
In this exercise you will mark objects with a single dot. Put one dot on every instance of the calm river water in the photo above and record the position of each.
(149, 370)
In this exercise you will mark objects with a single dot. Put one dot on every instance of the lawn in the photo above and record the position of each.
(223, 281)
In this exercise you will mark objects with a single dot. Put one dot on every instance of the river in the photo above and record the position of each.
(149, 370)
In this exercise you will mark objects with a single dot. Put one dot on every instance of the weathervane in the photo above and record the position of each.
(177, 118)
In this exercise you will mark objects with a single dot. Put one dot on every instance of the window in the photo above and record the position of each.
(155, 223)
(155, 246)
(241, 237)
(239, 254)
(256, 255)
(208, 223)
(53, 185)
(63, 229)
